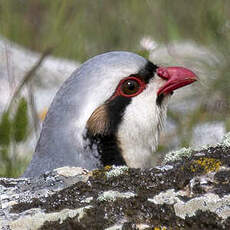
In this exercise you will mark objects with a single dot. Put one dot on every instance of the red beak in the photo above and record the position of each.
(176, 77)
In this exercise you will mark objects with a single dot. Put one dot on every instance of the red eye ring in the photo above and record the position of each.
(120, 89)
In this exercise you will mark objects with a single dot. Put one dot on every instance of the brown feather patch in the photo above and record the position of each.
(98, 122)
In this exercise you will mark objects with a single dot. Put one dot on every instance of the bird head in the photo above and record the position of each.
(110, 111)
(125, 105)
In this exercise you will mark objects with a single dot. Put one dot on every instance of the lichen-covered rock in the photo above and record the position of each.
(189, 192)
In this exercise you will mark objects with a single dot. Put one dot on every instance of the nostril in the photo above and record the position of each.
(163, 73)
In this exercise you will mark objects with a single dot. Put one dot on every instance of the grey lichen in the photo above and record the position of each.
(226, 140)
(87, 200)
(177, 155)
(37, 220)
(120, 227)
(116, 171)
(113, 195)
(169, 197)
(208, 202)
(186, 152)
(115, 227)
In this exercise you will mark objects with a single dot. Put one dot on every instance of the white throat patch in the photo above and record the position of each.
(139, 130)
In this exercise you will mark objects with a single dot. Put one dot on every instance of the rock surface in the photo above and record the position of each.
(190, 191)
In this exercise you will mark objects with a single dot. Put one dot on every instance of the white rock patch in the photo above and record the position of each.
(208, 202)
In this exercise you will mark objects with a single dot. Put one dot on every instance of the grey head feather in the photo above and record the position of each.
(61, 142)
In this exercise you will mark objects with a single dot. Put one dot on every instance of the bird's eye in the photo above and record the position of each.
(130, 87)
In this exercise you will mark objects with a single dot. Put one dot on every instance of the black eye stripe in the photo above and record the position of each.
(147, 72)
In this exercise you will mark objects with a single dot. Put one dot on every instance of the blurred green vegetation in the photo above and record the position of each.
(13, 131)
(79, 29)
